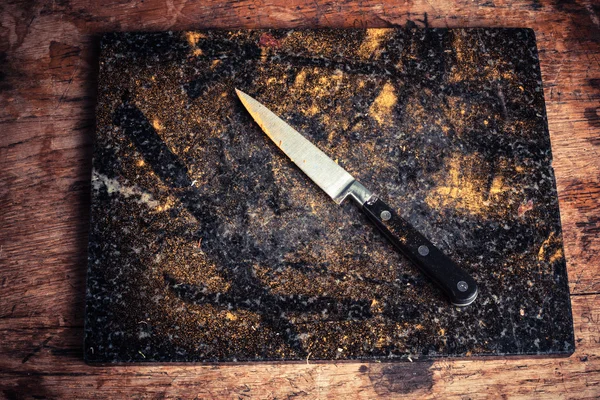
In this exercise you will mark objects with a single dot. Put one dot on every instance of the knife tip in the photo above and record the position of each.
(244, 98)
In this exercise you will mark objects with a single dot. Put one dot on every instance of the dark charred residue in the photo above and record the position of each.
(401, 378)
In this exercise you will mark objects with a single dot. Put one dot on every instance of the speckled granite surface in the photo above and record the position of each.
(207, 244)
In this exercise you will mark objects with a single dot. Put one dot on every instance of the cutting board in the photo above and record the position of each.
(208, 244)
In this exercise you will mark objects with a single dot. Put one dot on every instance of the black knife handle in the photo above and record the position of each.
(455, 282)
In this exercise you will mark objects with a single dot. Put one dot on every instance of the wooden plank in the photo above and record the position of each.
(48, 55)
(51, 241)
(575, 141)
(47, 361)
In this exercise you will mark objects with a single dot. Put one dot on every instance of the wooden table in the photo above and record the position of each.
(48, 58)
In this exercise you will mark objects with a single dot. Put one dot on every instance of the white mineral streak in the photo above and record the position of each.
(113, 186)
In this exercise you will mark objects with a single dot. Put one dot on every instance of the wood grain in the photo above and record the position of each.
(48, 56)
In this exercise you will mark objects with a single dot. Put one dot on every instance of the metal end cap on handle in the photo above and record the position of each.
(468, 300)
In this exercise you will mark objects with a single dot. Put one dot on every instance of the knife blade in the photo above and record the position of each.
(334, 180)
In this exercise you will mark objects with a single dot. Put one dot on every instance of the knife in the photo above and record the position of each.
(459, 286)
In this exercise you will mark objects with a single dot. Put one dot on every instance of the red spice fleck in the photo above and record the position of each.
(523, 208)
(267, 40)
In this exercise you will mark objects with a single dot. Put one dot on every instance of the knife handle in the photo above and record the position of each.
(456, 283)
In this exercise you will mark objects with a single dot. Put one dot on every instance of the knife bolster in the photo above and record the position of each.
(357, 192)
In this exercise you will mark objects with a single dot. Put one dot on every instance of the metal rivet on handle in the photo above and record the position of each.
(462, 286)
(386, 215)
(423, 250)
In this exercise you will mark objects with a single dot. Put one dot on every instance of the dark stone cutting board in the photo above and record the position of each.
(208, 244)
